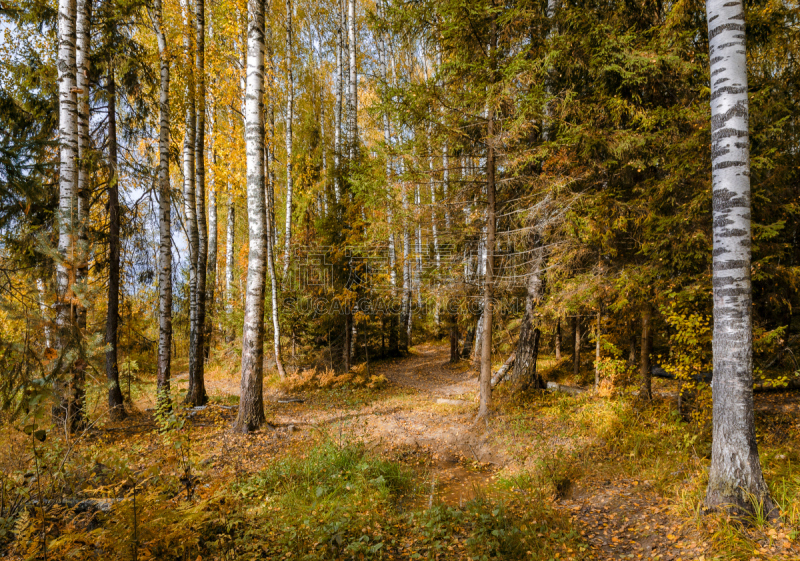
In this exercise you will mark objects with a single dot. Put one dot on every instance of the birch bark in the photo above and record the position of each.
(735, 479)
(251, 403)
(68, 409)
(351, 33)
(189, 202)
(289, 119)
(229, 238)
(165, 218)
(196, 394)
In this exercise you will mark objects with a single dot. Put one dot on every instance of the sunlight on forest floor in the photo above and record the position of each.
(399, 471)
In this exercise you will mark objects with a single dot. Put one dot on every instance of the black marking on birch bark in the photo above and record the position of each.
(721, 80)
(718, 150)
(733, 233)
(728, 133)
(722, 199)
(732, 264)
(730, 164)
(720, 251)
(732, 44)
(732, 90)
(738, 110)
(722, 222)
(725, 27)
(713, 18)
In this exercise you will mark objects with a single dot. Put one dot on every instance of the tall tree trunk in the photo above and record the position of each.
(289, 119)
(488, 281)
(165, 220)
(529, 335)
(189, 203)
(632, 352)
(351, 35)
(115, 401)
(405, 317)
(276, 325)
(598, 333)
(346, 109)
(40, 289)
(251, 403)
(337, 113)
(196, 394)
(558, 339)
(68, 409)
(645, 391)
(418, 247)
(82, 52)
(211, 267)
(230, 232)
(576, 355)
(735, 478)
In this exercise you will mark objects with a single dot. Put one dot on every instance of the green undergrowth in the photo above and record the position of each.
(566, 441)
(330, 501)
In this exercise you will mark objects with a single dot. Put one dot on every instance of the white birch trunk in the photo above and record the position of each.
(351, 33)
(189, 203)
(196, 394)
(229, 239)
(164, 218)
(735, 478)
(289, 119)
(68, 407)
(251, 403)
(211, 266)
(337, 116)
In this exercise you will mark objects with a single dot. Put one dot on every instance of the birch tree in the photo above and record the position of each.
(289, 119)
(196, 394)
(735, 480)
(164, 216)
(68, 409)
(189, 203)
(251, 402)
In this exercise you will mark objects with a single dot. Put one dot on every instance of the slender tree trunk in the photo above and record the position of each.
(48, 336)
(351, 33)
(645, 391)
(68, 409)
(558, 339)
(251, 404)
(196, 394)
(276, 325)
(346, 109)
(488, 282)
(165, 220)
(211, 267)
(576, 355)
(405, 318)
(189, 203)
(82, 52)
(115, 401)
(632, 353)
(598, 333)
(229, 239)
(529, 335)
(735, 478)
(337, 114)
(418, 247)
(289, 119)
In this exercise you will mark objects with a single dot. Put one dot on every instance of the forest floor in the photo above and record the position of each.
(550, 476)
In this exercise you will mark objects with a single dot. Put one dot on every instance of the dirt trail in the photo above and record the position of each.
(433, 413)
(427, 418)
